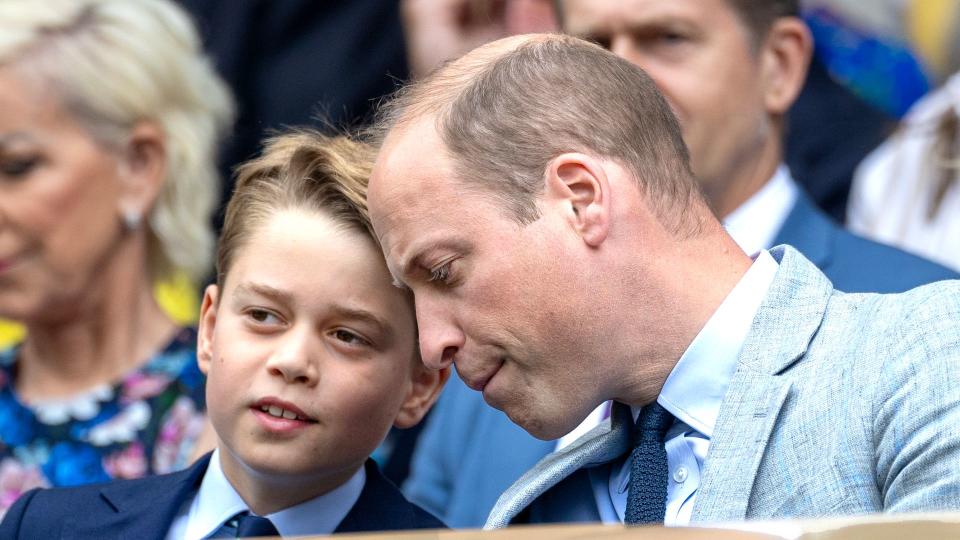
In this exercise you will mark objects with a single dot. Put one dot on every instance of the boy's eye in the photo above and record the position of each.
(262, 316)
(350, 338)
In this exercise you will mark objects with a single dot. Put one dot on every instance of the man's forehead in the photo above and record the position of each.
(405, 167)
(411, 168)
(407, 149)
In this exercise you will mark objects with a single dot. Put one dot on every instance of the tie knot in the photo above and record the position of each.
(653, 423)
(249, 526)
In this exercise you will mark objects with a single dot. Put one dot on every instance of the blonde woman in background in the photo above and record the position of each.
(906, 193)
(109, 119)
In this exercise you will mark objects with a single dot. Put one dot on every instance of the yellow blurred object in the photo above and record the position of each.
(930, 28)
(10, 333)
(178, 297)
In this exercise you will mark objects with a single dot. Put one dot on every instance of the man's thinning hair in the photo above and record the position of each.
(503, 115)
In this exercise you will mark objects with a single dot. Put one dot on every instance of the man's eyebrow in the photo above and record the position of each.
(651, 24)
(13, 137)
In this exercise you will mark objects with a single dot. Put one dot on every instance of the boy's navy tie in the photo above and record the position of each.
(248, 525)
(647, 497)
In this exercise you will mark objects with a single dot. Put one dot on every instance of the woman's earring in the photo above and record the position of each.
(131, 219)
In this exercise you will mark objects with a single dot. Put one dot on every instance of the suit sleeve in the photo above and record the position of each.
(917, 425)
(12, 525)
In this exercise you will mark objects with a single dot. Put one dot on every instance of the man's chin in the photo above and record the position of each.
(538, 427)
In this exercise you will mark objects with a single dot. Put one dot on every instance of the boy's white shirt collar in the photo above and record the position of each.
(217, 501)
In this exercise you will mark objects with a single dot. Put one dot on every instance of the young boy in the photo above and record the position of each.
(310, 355)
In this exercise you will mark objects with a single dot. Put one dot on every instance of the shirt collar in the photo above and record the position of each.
(695, 388)
(217, 501)
(755, 223)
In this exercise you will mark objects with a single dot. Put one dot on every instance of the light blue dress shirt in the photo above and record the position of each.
(217, 501)
(693, 393)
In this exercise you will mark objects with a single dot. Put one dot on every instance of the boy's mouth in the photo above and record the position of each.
(281, 409)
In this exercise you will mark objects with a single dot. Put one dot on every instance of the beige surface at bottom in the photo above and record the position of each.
(572, 532)
(876, 527)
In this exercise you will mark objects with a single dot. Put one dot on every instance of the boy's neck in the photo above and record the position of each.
(266, 493)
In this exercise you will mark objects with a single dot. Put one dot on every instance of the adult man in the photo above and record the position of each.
(730, 69)
(536, 197)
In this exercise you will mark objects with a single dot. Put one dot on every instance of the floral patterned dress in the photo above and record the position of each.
(147, 423)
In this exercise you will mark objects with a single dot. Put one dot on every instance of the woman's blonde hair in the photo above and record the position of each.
(298, 169)
(114, 63)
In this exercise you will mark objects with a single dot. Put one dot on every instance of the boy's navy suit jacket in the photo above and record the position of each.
(145, 508)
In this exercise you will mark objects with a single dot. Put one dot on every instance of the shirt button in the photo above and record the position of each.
(680, 475)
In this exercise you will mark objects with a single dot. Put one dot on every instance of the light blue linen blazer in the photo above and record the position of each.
(469, 453)
(841, 404)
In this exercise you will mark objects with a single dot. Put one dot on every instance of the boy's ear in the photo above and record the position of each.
(425, 388)
(208, 321)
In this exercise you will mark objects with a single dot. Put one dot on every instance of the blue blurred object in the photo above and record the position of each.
(881, 70)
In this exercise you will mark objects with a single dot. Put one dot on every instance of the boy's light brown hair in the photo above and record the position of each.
(300, 169)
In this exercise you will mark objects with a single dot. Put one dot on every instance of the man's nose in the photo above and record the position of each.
(296, 357)
(440, 337)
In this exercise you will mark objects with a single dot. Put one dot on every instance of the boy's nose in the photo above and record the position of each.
(295, 359)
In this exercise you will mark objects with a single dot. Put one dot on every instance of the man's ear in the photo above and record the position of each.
(578, 185)
(143, 166)
(784, 58)
(425, 388)
(207, 324)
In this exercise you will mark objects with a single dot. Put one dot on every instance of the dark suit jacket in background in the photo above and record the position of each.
(145, 508)
(290, 60)
(829, 131)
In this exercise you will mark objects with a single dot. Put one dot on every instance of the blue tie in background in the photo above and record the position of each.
(647, 497)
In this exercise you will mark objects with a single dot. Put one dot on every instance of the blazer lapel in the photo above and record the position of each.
(601, 445)
(746, 421)
(377, 508)
(784, 326)
(142, 508)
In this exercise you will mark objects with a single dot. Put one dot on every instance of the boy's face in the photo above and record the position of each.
(309, 354)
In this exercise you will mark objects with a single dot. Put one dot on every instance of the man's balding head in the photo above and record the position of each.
(505, 109)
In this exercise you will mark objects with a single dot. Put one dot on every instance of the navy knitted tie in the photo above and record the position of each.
(647, 498)
(251, 526)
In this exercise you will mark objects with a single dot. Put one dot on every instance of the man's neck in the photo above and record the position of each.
(745, 180)
(694, 279)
